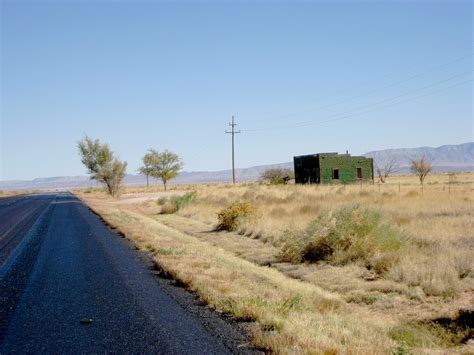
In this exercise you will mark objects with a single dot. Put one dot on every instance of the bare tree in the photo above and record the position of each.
(386, 168)
(421, 168)
(102, 164)
(164, 165)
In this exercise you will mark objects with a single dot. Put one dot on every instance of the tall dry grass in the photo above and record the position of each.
(439, 222)
(344, 302)
(285, 315)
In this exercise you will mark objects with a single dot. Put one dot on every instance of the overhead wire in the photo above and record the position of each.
(346, 116)
(369, 92)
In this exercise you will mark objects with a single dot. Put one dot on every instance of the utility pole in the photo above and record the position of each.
(233, 132)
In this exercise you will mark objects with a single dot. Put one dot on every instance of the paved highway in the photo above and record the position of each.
(70, 285)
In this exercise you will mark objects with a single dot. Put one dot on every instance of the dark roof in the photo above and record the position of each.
(316, 154)
(331, 154)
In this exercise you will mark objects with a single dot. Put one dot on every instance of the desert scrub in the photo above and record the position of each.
(433, 270)
(230, 216)
(441, 332)
(161, 201)
(175, 203)
(183, 200)
(350, 234)
(168, 208)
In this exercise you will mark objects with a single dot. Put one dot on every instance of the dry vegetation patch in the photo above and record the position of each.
(385, 254)
(10, 193)
(287, 315)
(351, 234)
(422, 241)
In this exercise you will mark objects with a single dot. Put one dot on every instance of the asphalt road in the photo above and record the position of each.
(17, 214)
(68, 284)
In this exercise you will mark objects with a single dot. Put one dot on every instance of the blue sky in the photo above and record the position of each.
(362, 76)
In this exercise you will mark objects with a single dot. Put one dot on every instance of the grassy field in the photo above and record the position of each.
(342, 268)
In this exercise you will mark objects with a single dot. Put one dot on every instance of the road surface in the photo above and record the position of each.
(68, 284)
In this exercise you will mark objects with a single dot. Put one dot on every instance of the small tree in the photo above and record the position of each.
(164, 165)
(147, 167)
(277, 175)
(386, 168)
(421, 168)
(101, 164)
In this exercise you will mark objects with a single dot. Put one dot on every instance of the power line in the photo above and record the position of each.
(386, 106)
(373, 110)
(303, 123)
(367, 92)
(233, 132)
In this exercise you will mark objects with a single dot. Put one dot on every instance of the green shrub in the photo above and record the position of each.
(350, 234)
(183, 200)
(408, 336)
(430, 334)
(230, 217)
(175, 203)
(277, 176)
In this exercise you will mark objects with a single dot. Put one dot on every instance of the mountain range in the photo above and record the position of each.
(445, 158)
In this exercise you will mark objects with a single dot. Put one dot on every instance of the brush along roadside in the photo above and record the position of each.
(286, 315)
(423, 243)
(419, 278)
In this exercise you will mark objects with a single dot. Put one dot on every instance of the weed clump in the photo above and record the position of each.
(161, 201)
(230, 217)
(350, 234)
(183, 200)
(168, 208)
(412, 193)
(175, 203)
(445, 332)
(435, 274)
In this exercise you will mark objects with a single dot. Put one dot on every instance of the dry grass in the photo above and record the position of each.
(440, 223)
(9, 193)
(301, 307)
(289, 315)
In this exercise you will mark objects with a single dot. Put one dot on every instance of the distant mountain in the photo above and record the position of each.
(242, 174)
(445, 158)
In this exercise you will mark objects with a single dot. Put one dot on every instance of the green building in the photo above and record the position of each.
(327, 168)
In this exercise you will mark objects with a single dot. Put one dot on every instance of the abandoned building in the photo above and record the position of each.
(324, 168)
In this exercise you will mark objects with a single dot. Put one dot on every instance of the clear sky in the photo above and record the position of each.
(300, 77)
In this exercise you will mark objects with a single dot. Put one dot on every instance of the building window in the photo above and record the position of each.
(335, 174)
(359, 173)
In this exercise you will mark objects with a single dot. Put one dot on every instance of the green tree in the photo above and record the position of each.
(163, 165)
(102, 164)
(147, 167)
